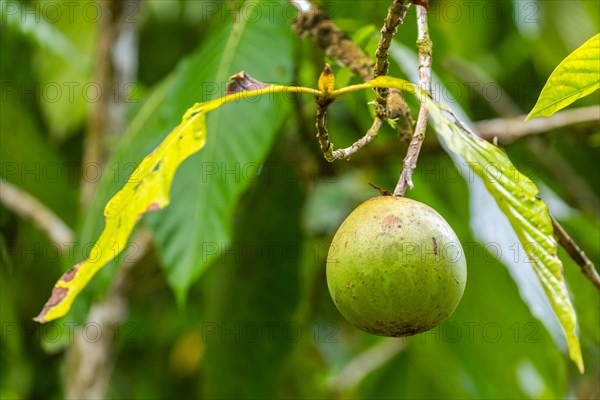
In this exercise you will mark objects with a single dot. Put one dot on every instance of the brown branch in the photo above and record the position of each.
(349, 151)
(582, 121)
(88, 364)
(337, 45)
(326, 85)
(410, 161)
(322, 135)
(98, 125)
(579, 191)
(510, 129)
(587, 267)
(395, 16)
(27, 206)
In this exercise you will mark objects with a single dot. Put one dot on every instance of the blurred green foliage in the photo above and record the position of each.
(244, 252)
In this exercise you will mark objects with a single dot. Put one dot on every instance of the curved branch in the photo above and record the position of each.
(365, 363)
(587, 266)
(349, 151)
(507, 130)
(27, 206)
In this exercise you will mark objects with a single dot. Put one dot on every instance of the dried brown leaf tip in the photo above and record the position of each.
(424, 3)
(58, 295)
(242, 81)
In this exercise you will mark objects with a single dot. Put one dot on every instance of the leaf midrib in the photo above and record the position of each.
(233, 42)
(570, 95)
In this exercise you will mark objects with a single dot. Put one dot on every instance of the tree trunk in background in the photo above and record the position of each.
(89, 361)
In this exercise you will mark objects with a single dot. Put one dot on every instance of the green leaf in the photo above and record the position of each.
(485, 213)
(243, 135)
(528, 215)
(576, 76)
(27, 21)
(208, 186)
(516, 195)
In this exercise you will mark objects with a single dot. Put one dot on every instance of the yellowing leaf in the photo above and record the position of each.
(576, 76)
(516, 196)
(147, 190)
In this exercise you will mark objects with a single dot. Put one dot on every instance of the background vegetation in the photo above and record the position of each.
(223, 294)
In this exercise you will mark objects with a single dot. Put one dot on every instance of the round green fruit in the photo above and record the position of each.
(395, 267)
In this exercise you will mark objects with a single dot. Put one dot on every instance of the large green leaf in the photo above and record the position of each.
(208, 186)
(576, 76)
(517, 197)
(205, 200)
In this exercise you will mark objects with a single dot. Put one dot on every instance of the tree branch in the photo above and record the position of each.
(27, 206)
(410, 161)
(337, 45)
(395, 16)
(587, 267)
(322, 135)
(98, 125)
(349, 151)
(507, 130)
(89, 363)
(490, 129)
(365, 363)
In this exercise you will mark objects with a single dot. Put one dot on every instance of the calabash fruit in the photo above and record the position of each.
(395, 267)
